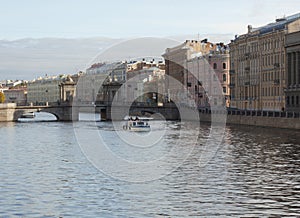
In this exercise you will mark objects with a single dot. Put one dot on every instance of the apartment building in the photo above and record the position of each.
(16, 95)
(258, 66)
(51, 90)
(202, 68)
(292, 92)
(136, 74)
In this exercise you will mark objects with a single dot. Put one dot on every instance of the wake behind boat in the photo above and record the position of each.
(137, 124)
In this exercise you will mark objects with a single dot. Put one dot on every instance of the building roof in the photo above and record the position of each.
(279, 24)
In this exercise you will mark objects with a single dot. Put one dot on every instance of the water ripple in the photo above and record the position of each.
(256, 172)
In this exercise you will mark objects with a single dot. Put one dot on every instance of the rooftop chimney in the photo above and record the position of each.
(249, 28)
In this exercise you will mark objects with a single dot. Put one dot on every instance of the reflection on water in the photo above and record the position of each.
(256, 172)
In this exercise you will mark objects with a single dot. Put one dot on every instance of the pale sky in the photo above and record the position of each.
(135, 18)
(43, 35)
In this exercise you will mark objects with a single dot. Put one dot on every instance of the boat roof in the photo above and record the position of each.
(138, 118)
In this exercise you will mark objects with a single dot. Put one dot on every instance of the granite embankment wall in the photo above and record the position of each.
(264, 119)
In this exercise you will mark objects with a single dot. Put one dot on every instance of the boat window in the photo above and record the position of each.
(140, 123)
(134, 123)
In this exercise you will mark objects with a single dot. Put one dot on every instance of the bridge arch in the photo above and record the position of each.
(62, 113)
(57, 116)
(19, 113)
(169, 113)
(143, 112)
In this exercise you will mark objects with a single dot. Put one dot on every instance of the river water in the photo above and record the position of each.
(44, 173)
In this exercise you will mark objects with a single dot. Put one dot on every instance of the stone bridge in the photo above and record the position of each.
(68, 112)
(11, 112)
(61, 112)
(169, 112)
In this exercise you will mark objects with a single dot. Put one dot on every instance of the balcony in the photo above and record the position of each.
(276, 65)
(247, 68)
(247, 83)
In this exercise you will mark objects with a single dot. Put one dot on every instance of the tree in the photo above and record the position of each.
(2, 97)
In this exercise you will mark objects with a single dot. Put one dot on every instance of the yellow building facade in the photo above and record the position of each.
(258, 66)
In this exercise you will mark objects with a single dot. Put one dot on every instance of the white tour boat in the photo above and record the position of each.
(137, 124)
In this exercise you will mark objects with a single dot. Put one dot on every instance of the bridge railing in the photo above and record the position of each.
(133, 104)
(56, 103)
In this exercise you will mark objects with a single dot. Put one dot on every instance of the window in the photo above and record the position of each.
(224, 65)
(215, 66)
(224, 89)
(224, 78)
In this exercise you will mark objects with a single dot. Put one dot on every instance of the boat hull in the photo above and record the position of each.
(139, 129)
(137, 124)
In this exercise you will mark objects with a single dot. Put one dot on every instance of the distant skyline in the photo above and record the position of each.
(135, 18)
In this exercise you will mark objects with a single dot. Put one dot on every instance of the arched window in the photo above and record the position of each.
(224, 65)
(224, 78)
(215, 66)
